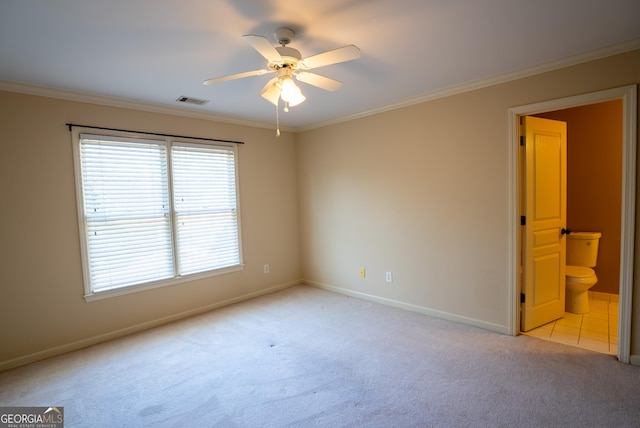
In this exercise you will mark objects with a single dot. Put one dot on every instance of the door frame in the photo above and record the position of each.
(629, 141)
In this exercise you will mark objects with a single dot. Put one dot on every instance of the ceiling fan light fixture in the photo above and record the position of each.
(288, 88)
(290, 93)
(298, 99)
(271, 92)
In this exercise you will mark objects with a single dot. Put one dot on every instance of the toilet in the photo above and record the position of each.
(582, 255)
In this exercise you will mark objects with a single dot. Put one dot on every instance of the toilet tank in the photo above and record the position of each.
(582, 248)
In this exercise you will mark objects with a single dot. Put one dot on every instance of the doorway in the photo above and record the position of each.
(627, 95)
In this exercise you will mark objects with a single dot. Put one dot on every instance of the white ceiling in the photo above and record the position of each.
(153, 51)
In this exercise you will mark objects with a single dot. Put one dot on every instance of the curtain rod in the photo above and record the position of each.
(71, 125)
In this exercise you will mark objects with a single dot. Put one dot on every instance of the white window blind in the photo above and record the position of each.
(205, 201)
(155, 210)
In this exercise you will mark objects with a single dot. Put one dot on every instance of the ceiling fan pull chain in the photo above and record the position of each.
(277, 119)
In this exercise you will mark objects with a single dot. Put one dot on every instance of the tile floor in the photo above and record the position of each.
(596, 330)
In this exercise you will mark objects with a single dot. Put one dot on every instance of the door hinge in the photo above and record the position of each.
(522, 140)
(521, 297)
(523, 220)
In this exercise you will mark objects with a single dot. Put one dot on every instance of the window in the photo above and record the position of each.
(154, 212)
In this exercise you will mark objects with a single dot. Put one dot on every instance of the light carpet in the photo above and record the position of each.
(305, 357)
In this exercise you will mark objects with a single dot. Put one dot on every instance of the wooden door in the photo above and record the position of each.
(544, 222)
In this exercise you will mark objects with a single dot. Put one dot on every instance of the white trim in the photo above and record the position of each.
(629, 139)
(491, 81)
(90, 296)
(104, 100)
(429, 96)
(409, 307)
(514, 236)
(627, 238)
(74, 346)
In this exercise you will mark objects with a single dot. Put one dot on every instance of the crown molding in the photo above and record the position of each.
(491, 81)
(128, 104)
(430, 96)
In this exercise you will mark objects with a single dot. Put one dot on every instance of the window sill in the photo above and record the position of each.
(121, 291)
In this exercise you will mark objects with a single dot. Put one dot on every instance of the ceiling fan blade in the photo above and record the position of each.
(345, 53)
(264, 48)
(320, 81)
(236, 76)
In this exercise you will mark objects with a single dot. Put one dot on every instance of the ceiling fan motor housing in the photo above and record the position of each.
(284, 35)
(290, 56)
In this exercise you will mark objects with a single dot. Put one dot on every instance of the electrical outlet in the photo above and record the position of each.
(389, 277)
(363, 273)
(266, 268)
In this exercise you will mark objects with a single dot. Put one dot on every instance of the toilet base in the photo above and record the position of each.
(577, 302)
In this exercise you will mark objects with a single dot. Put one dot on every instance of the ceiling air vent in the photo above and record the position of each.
(190, 100)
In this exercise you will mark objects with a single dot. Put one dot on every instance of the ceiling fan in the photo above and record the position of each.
(287, 63)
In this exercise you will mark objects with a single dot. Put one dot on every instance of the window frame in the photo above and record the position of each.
(89, 293)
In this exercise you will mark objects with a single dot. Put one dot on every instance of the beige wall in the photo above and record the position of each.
(423, 192)
(41, 289)
(594, 181)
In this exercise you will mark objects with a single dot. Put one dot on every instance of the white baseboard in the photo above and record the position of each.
(74, 346)
(634, 360)
(413, 308)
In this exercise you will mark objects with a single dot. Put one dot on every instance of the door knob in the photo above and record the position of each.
(565, 231)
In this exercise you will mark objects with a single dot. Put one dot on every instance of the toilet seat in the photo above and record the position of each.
(579, 272)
